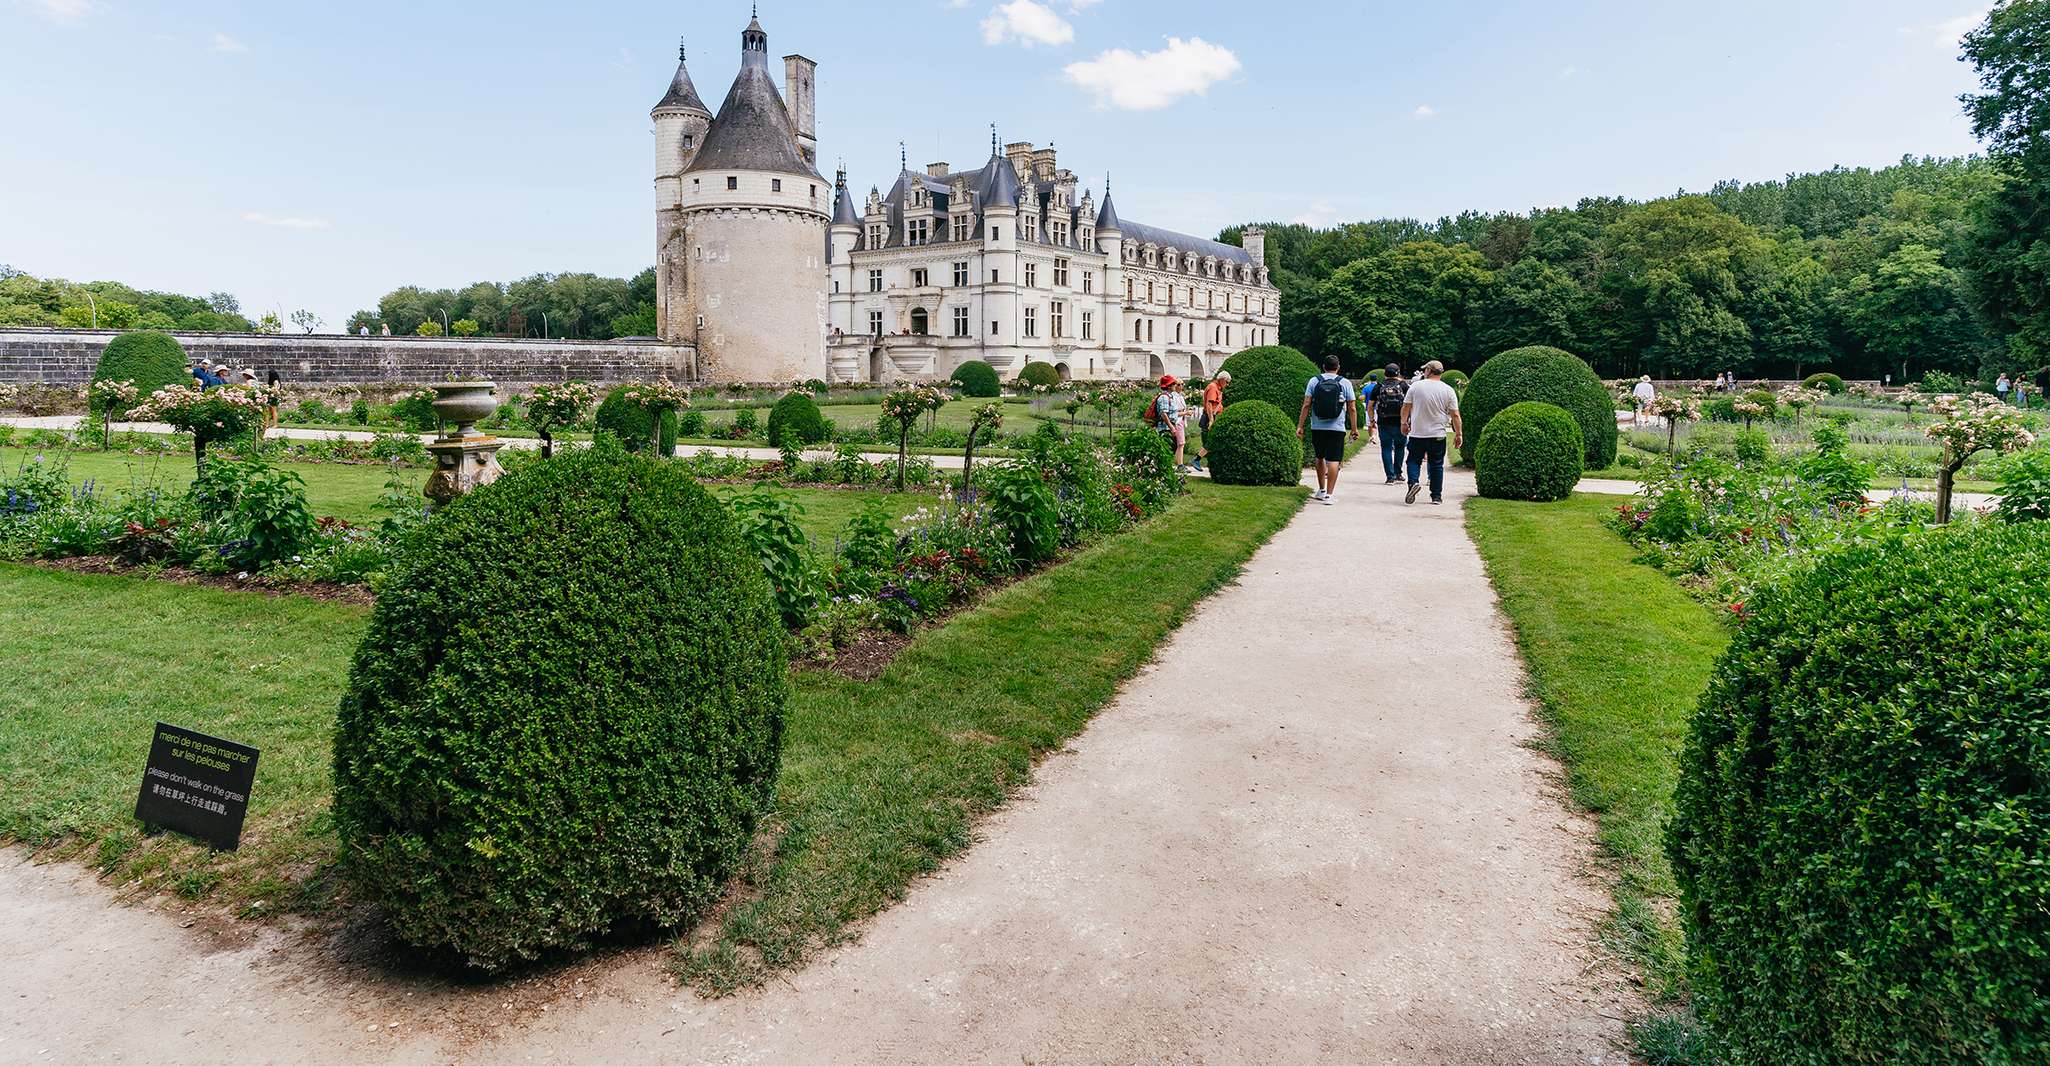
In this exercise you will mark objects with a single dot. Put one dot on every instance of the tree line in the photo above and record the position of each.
(573, 305)
(27, 300)
(1930, 264)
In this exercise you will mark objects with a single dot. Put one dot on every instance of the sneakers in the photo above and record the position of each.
(1318, 495)
(1327, 499)
(1414, 488)
(1392, 481)
(1438, 501)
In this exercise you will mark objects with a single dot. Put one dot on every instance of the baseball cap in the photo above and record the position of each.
(1434, 367)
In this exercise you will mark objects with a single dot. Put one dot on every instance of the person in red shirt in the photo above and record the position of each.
(1213, 405)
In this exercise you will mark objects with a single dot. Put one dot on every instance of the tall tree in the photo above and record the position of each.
(2010, 263)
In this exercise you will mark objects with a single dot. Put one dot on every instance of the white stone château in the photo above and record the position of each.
(775, 276)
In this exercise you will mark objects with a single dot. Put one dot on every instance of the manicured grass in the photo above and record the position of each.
(883, 780)
(1618, 655)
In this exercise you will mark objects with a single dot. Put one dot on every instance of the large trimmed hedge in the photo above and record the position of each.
(1253, 443)
(1530, 451)
(632, 424)
(1548, 375)
(1862, 824)
(977, 378)
(1275, 373)
(1827, 382)
(147, 357)
(566, 716)
(1043, 375)
(798, 414)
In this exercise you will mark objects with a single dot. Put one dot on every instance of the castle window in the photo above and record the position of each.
(1060, 273)
(1138, 330)
(775, 184)
(1149, 292)
(1089, 237)
(1060, 233)
(993, 330)
(875, 281)
(915, 231)
(1088, 323)
(960, 227)
(814, 192)
(1089, 281)
(1056, 319)
(875, 323)
(996, 233)
(994, 277)
(1031, 227)
(1032, 322)
(1032, 275)
(960, 322)
(960, 275)
(1178, 333)
(875, 236)
(1149, 331)
(919, 278)
(732, 183)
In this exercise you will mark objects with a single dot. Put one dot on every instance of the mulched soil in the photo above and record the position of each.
(108, 564)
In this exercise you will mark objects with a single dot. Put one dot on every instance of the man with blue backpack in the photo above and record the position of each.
(1332, 411)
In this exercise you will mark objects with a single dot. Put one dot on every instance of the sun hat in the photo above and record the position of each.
(1167, 381)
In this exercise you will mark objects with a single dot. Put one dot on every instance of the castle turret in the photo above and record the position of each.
(1110, 240)
(753, 237)
(680, 123)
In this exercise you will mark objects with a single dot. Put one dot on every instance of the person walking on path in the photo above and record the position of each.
(1169, 414)
(1429, 412)
(1332, 408)
(2003, 386)
(1213, 405)
(1640, 400)
(1386, 407)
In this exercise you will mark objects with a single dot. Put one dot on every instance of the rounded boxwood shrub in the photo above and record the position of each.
(1253, 443)
(798, 415)
(632, 424)
(1862, 824)
(1547, 375)
(519, 771)
(150, 359)
(1275, 373)
(977, 378)
(1827, 382)
(1041, 375)
(1530, 451)
(1454, 378)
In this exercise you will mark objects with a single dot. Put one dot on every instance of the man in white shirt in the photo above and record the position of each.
(1641, 398)
(1429, 412)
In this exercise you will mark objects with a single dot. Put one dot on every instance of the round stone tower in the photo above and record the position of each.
(681, 121)
(752, 224)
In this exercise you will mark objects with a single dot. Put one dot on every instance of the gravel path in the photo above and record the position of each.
(1312, 831)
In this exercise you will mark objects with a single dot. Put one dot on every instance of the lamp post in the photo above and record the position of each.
(94, 304)
(444, 322)
(544, 325)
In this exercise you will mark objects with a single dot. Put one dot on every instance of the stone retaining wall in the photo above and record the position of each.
(67, 357)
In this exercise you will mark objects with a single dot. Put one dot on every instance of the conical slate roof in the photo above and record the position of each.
(682, 95)
(1108, 217)
(844, 213)
(752, 131)
(1001, 190)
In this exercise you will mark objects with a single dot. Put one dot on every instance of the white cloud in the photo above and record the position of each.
(1027, 23)
(1569, 73)
(287, 221)
(1078, 5)
(1321, 214)
(225, 43)
(1424, 111)
(64, 10)
(1948, 33)
(1147, 81)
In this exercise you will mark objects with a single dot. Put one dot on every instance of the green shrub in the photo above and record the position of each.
(631, 424)
(745, 422)
(1041, 375)
(1377, 373)
(1144, 460)
(1827, 382)
(1275, 373)
(818, 386)
(1753, 446)
(519, 771)
(1020, 500)
(798, 415)
(1454, 378)
(415, 410)
(1530, 451)
(1253, 443)
(977, 378)
(690, 424)
(1862, 824)
(2025, 487)
(1546, 375)
(150, 359)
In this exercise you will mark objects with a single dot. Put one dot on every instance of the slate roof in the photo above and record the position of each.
(752, 130)
(682, 95)
(1136, 233)
(844, 213)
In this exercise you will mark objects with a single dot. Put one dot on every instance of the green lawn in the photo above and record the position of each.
(1618, 654)
(882, 780)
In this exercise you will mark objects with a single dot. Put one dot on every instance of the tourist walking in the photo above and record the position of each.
(1169, 414)
(2003, 386)
(1640, 400)
(1429, 412)
(1386, 408)
(1332, 409)
(1721, 382)
(1213, 405)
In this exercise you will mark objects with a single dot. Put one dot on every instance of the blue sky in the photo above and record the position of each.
(319, 154)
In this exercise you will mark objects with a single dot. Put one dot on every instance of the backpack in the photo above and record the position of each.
(1152, 415)
(1327, 398)
(1388, 400)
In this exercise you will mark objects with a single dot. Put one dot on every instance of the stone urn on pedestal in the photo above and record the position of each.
(464, 460)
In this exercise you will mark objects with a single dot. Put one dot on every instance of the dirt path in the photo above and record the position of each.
(1312, 831)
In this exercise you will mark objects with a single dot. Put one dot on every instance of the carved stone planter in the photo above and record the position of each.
(463, 404)
(464, 460)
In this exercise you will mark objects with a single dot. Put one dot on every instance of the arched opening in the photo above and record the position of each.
(1196, 368)
(1154, 367)
(918, 321)
(1062, 369)
(875, 365)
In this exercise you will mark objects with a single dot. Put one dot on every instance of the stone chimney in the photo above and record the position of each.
(936, 170)
(1019, 153)
(1255, 240)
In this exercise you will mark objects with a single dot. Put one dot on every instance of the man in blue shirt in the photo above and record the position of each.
(1332, 411)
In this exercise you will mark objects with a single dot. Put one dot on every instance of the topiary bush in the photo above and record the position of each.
(1530, 451)
(1827, 382)
(1454, 378)
(1275, 373)
(632, 424)
(1862, 823)
(798, 415)
(150, 359)
(1253, 443)
(518, 771)
(977, 378)
(1040, 375)
(1547, 375)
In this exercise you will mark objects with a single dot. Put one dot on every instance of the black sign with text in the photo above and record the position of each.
(197, 785)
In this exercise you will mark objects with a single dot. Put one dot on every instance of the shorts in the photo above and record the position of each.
(1204, 421)
(1329, 444)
